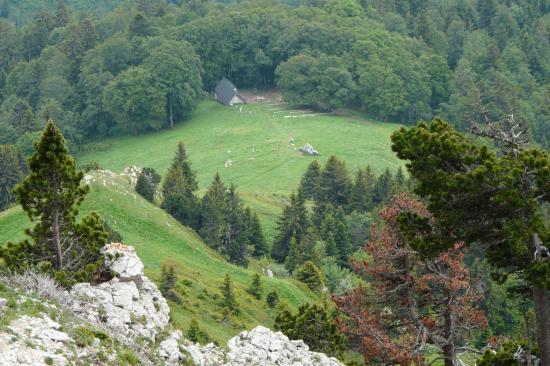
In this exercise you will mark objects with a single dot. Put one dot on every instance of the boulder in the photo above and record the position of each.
(309, 150)
(123, 261)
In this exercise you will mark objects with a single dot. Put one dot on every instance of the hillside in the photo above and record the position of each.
(262, 142)
(160, 240)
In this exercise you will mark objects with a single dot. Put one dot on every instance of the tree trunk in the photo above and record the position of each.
(542, 311)
(449, 351)
(57, 240)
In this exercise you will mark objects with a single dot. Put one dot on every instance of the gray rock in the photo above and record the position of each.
(309, 150)
(123, 260)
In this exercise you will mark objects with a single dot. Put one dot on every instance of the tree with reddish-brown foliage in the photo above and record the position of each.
(410, 302)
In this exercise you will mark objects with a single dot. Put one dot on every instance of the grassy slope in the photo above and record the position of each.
(266, 166)
(159, 240)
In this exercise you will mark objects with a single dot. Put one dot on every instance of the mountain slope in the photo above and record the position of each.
(160, 240)
(262, 142)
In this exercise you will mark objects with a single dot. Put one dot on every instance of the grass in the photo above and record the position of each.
(161, 240)
(267, 165)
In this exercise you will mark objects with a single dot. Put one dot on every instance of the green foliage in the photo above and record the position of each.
(503, 357)
(168, 284)
(50, 196)
(309, 184)
(272, 299)
(144, 188)
(195, 334)
(315, 325)
(12, 169)
(255, 289)
(311, 275)
(229, 301)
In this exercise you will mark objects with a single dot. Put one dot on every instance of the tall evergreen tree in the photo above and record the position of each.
(383, 187)
(50, 195)
(144, 188)
(362, 191)
(61, 14)
(309, 185)
(292, 223)
(212, 208)
(139, 27)
(5, 10)
(255, 288)
(182, 159)
(234, 236)
(256, 236)
(304, 250)
(228, 295)
(12, 169)
(334, 183)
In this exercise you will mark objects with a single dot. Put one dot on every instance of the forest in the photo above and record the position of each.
(445, 257)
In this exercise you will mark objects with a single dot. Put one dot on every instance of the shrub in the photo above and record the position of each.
(311, 275)
(272, 299)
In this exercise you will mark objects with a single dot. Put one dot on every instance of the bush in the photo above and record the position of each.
(311, 275)
(195, 334)
(255, 288)
(272, 299)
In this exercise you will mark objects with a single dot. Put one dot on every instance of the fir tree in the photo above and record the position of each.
(309, 185)
(272, 299)
(292, 223)
(212, 210)
(303, 251)
(234, 235)
(168, 285)
(255, 288)
(144, 188)
(362, 191)
(334, 183)
(139, 27)
(228, 295)
(316, 326)
(196, 334)
(181, 159)
(311, 275)
(61, 14)
(50, 195)
(179, 199)
(383, 187)
(256, 236)
(12, 169)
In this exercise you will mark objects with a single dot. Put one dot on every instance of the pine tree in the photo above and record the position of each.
(168, 285)
(292, 223)
(12, 169)
(196, 334)
(234, 236)
(5, 11)
(303, 251)
(181, 159)
(309, 185)
(139, 27)
(383, 187)
(228, 295)
(61, 14)
(272, 299)
(256, 236)
(311, 275)
(50, 196)
(212, 210)
(315, 325)
(255, 288)
(334, 183)
(362, 191)
(144, 188)
(342, 240)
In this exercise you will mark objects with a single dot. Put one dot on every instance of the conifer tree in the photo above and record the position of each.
(255, 288)
(383, 187)
(181, 159)
(50, 195)
(234, 235)
(5, 10)
(228, 295)
(272, 299)
(212, 210)
(309, 185)
(303, 251)
(61, 14)
(196, 334)
(12, 169)
(144, 188)
(292, 223)
(362, 191)
(334, 183)
(311, 275)
(256, 236)
(315, 325)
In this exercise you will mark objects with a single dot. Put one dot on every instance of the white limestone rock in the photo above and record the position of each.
(123, 260)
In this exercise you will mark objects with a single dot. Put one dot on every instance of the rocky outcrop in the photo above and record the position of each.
(129, 303)
(309, 150)
(259, 346)
(129, 312)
